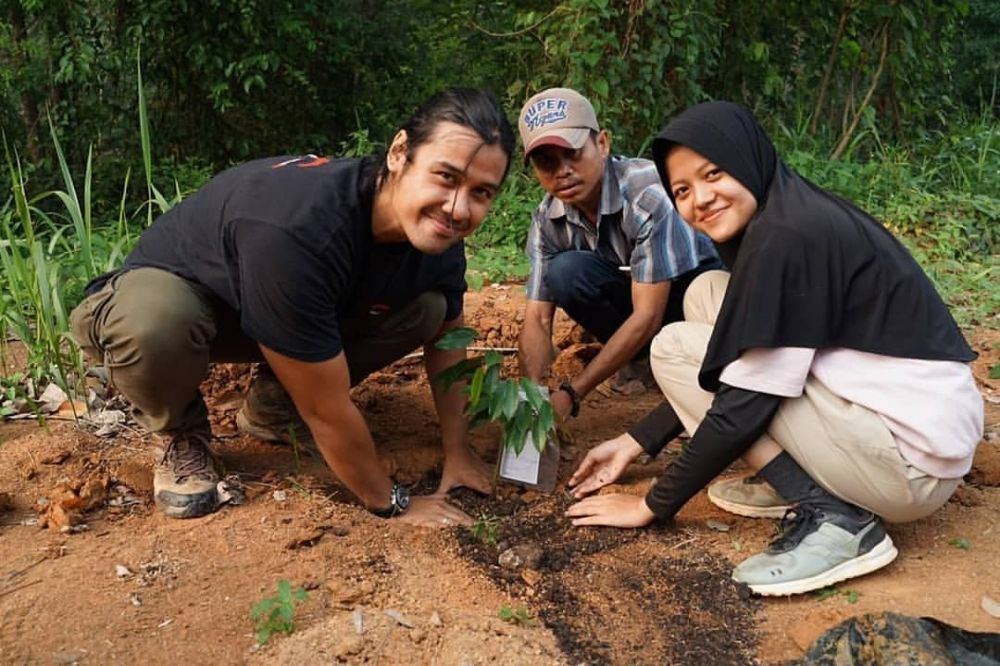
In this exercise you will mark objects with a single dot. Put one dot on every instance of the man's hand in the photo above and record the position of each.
(562, 404)
(463, 468)
(604, 463)
(433, 511)
(611, 510)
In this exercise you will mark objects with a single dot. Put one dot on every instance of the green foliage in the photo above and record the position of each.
(960, 543)
(496, 249)
(519, 615)
(486, 529)
(852, 596)
(516, 404)
(277, 614)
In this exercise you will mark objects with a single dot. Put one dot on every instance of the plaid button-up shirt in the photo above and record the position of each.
(637, 227)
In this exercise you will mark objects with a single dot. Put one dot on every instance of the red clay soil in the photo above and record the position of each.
(136, 587)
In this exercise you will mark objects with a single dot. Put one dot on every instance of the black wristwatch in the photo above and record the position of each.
(574, 396)
(399, 502)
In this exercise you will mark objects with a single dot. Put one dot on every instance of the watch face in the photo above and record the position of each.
(401, 497)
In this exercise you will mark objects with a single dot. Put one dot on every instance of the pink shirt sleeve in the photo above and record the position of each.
(780, 371)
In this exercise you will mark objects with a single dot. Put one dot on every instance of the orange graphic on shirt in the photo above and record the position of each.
(304, 162)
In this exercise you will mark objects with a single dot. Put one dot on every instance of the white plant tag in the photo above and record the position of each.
(524, 467)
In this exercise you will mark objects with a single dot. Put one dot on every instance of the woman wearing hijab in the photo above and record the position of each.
(826, 360)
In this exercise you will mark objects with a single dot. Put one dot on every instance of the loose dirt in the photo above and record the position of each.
(110, 580)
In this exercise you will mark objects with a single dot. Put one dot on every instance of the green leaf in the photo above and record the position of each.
(476, 386)
(461, 371)
(852, 596)
(492, 358)
(510, 399)
(961, 543)
(827, 592)
(539, 435)
(457, 338)
(284, 590)
(532, 393)
(547, 416)
(995, 371)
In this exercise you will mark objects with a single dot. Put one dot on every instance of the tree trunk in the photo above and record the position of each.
(827, 73)
(876, 77)
(28, 106)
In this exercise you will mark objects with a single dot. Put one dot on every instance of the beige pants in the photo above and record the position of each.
(844, 447)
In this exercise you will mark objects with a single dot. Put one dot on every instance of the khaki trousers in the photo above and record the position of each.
(844, 447)
(156, 334)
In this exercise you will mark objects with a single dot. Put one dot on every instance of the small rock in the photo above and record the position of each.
(532, 577)
(717, 525)
(134, 598)
(74, 529)
(436, 619)
(56, 458)
(398, 617)
(279, 495)
(521, 556)
(349, 644)
(122, 571)
(347, 594)
(990, 605)
(418, 635)
(358, 619)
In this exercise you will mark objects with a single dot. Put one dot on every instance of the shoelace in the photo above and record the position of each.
(796, 522)
(188, 453)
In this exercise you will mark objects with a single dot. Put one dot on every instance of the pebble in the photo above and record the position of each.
(348, 645)
(521, 556)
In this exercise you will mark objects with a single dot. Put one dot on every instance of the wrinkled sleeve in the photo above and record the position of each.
(731, 426)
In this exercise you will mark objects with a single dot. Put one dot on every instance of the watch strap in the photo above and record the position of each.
(573, 396)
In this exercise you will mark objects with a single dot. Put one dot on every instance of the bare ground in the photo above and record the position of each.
(136, 587)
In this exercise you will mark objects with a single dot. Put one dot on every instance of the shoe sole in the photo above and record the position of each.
(749, 511)
(878, 557)
(247, 428)
(176, 505)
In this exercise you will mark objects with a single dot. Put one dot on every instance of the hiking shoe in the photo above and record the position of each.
(185, 479)
(817, 547)
(633, 378)
(268, 413)
(749, 496)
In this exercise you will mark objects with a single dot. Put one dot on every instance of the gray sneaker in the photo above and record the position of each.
(268, 413)
(817, 548)
(749, 496)
(185, 479)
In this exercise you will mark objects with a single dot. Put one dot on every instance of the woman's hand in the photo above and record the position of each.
(611, 510)
(604, 463)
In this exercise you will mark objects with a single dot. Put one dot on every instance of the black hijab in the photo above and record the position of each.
(810, 269)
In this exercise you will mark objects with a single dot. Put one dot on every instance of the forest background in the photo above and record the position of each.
(113, 110)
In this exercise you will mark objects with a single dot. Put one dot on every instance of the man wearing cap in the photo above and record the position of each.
(606, 245)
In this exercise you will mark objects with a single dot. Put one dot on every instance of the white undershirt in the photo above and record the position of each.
(932, 408)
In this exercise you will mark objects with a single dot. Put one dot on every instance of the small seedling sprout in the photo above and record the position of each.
(276, 614)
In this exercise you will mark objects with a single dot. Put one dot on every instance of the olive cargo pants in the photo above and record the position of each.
(156, 334)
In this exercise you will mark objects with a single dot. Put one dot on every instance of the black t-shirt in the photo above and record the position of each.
(287, 242)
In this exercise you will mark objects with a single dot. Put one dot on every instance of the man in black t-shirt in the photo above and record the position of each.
(325, 269)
